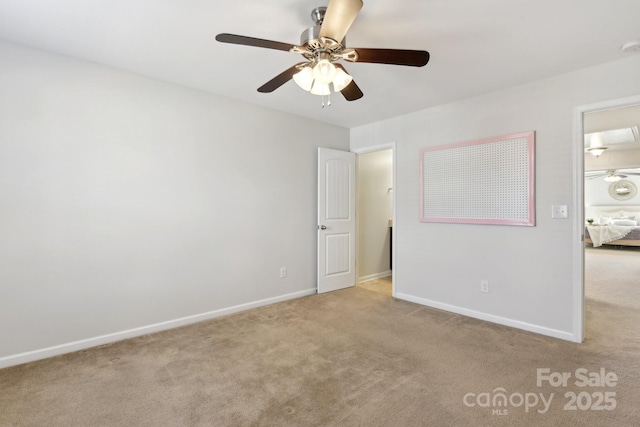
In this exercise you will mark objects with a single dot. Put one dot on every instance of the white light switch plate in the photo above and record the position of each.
(559, 211)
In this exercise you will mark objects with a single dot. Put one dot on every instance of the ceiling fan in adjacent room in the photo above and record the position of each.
(323, 46)
(612, 175)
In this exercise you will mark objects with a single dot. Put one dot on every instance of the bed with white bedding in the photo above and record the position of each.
(613, 225)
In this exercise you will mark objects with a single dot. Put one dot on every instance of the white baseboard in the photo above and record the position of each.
(490, 318)
(57, 350)
(374, 276)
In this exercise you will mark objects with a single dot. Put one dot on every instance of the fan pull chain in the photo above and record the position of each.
(328, 103)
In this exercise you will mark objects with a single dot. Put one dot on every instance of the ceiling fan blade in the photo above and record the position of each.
(338, 18)
(279, 80)
(252, 41)
(352, 91)
(412, 58)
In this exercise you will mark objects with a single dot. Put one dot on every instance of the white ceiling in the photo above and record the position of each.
(476, 46)
(617, 118)
(624, 156)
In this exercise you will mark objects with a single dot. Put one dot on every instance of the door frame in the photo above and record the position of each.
(371, 149)
(578, 205)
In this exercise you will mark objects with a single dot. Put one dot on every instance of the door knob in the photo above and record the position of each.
(322, 227)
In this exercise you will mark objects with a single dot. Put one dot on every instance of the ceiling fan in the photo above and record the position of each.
(323, 46)
(612, 175)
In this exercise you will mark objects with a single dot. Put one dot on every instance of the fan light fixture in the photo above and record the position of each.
(318, 78)
(598, 142)
(322, 47)
(597, 150)
(612, 177)
(321, 73)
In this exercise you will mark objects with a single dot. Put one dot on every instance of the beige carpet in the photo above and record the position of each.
(382, 285)
(348, 358)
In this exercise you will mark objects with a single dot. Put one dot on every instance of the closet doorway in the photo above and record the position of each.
(375, 215)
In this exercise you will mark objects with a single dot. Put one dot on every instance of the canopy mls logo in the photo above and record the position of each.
(500, 402)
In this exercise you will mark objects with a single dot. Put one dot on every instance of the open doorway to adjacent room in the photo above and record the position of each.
(611, 156)
(375, 217)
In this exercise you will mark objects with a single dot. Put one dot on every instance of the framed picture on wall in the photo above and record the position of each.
(484, 181)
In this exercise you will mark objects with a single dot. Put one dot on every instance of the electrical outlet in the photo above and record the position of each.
(283, 272)
(484, 286)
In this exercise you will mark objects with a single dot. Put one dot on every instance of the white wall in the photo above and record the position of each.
(374, 210)
(127, 202)
(530, 269)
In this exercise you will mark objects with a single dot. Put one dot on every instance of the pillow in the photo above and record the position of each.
(604, 220)
(623, 222)
(623, 217)
(631, 213)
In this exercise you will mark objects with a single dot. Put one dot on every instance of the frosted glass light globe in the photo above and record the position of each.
(304, 78)
(324, 71)
(341, 80)
(320, 89)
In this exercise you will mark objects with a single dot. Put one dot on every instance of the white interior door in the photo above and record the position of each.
(336, 220)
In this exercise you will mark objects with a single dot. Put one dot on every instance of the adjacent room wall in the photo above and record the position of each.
(529, 269)
(374, 210)
(596, 193)
(611, 159)
(128, 202)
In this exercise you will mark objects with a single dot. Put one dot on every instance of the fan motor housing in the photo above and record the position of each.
(311, 34)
